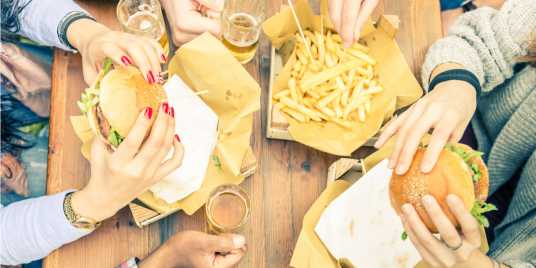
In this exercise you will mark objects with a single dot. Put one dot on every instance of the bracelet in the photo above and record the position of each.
(66, 22)
(456, 74)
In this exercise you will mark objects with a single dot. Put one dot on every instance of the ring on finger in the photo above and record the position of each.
(453, 248)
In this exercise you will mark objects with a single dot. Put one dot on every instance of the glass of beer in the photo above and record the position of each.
(227, 209)
(241, 27)
(142, 17)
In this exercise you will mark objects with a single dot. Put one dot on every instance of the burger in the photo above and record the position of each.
(116, 98)
(459, 170)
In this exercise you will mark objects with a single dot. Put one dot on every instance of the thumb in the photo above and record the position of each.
(230, 259)
(225, 243)
(99, 152)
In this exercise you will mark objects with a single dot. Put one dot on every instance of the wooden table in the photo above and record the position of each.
(289, 178)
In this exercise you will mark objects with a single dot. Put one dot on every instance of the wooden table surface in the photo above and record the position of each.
(289, 176)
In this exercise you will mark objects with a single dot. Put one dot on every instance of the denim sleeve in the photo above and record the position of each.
(44, 21)
(33, 228)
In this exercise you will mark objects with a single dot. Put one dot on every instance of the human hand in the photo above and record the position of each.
(454, 249)
(197, 249)
(95, 42)
(119, 177)
(349, 16)
(447, 110)
(190, 18)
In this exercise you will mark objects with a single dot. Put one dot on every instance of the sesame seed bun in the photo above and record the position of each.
(450, 175)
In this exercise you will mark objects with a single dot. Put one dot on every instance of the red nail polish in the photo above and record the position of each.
(172, 112)
(126, 61)
(177, 137)
(164, 58)
(150, 77)
(165, 106)
(149, 112)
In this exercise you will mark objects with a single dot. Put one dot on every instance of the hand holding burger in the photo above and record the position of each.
(134, 133)
(448, 200)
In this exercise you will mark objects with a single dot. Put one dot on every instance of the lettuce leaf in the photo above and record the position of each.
(115, 138)
(467, 156)
(479, 208)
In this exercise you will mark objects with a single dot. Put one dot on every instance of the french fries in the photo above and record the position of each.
(334, 84)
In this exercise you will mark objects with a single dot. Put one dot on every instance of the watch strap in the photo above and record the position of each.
(456, 74)
(75, 219)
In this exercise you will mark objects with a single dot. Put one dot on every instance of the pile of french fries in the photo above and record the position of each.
(329, 83)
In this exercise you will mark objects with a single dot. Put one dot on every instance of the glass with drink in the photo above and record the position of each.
(227, 209)
(241, 27)
(142, 17)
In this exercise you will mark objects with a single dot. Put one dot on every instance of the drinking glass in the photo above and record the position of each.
(227, 209)
(241, 27)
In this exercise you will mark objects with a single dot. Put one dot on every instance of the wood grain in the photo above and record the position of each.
(290, 176)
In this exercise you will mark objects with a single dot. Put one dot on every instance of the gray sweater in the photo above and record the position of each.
(488, 42)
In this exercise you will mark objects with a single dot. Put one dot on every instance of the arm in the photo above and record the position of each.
(486, 42)
(46, 21)
(32, 228)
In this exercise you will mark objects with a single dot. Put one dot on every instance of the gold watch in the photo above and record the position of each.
(78, 221)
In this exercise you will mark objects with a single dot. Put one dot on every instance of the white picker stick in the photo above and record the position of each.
(300, 28)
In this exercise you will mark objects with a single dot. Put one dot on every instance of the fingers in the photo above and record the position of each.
(349, 12)
(180, 37)
(446, 229)
(413, 138)
(216, 5)
(197, 24)
(99, 152)
(468, 223)
(392, 128)
(154, 55)
(425, 254)
(229, 260)
(141, 57)
(156, 139)
(415, 114)
(423, 235)
(225, 243)
(366, 10)
(335, 10)
(440, 136)
(132, 142)
(174, 162)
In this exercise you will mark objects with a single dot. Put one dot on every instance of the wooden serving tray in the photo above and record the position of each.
(276, 124)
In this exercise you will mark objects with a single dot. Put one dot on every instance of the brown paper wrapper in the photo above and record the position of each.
(205, 64)
(394, 74)
(310, 252)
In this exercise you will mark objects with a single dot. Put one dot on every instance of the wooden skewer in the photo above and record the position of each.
(300, 28)
(201, 92)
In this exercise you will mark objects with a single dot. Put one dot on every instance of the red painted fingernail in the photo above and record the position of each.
(164, 58)
(150, 77)
(172, 112)
(165, 106)
(149, 112)
(177, 137)
(126, 61)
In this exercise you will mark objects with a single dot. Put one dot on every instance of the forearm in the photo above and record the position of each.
(45, 21)
(81, 31)
(32, 228)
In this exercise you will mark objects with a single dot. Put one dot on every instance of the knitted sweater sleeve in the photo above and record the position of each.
(486, 42)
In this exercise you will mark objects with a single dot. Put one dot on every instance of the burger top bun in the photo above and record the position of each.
(451, 175)
(124, 93)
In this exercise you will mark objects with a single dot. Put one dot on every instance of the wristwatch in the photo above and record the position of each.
(78, 221)
(468, 5)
